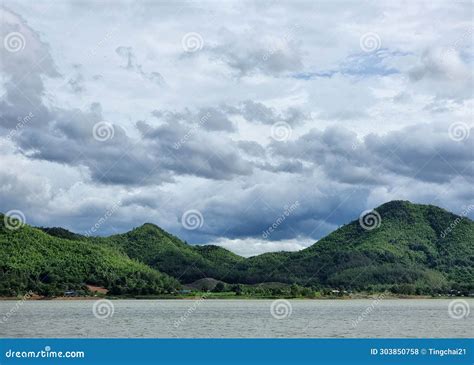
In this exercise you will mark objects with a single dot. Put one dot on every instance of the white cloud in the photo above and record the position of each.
(248, 247)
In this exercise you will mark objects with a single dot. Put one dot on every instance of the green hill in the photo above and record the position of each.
(407, 252)
(167, 253)
(63, 233)
(412, 249)
(31, 259)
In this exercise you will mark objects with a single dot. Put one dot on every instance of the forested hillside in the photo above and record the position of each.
(411, 249)
(31, 259)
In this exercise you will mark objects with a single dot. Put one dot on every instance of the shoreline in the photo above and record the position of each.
(201, 297)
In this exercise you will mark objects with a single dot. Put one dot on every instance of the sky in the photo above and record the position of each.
(257, 126)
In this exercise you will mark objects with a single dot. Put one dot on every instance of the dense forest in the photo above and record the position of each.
(31, 259)
(411, 251)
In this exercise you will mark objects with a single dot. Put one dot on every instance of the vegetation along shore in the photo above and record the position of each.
(410, 254)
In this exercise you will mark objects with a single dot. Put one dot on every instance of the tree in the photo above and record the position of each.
(294, 290)
(219, 287)
(237, 289)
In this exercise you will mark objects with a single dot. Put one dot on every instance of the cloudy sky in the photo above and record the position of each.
(219, 120)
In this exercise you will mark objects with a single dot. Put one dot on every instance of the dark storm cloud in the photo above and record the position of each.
(425, 152)
(335, 151)
(207, 118)
(260, 113)
(180, 146)
(67, 136)
(289, 166)
(311, 212)
(69, 139)
(176, 147)
(252, 148)
(257, 112)
(189, 149)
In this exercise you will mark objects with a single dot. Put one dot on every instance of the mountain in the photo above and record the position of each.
(409, 249)
(31, 259)
(63, 233)
(167, 253)
(402, 247)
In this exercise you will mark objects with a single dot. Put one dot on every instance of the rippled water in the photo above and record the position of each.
(235, 318)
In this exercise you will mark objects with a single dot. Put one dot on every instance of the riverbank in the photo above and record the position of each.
(223, 296)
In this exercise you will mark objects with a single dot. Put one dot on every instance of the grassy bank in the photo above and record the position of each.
(232, 295)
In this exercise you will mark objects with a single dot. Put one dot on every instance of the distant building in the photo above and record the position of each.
(97, 289)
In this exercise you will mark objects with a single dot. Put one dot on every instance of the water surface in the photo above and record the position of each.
(235, 318)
